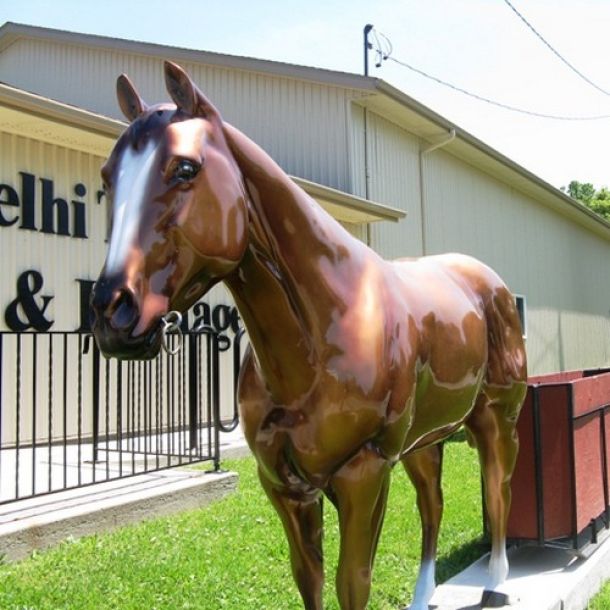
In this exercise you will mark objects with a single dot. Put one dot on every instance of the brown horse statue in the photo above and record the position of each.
(356, 363)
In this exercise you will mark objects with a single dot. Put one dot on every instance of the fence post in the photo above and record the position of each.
(193, 364)
(216, 398)
(96, 401)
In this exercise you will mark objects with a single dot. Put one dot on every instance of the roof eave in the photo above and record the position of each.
(544, 191)
(57, 111)
(10, 32)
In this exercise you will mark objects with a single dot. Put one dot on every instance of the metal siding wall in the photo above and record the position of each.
(560, 267)
(60, 259)
(393, 157)
(302, 125)
(357, 154)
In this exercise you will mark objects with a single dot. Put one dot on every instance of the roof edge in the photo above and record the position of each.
(405, 100)
(11, 31)
(371, 210)
(21, 100)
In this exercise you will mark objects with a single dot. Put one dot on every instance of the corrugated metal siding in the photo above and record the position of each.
(310, 129)
(60, 259)
(357, 151)
(303, 126)
(393, 159)
(559, 266)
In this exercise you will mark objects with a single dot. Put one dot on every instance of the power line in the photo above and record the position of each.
(500, 104)
(385, 54)
(554, 51)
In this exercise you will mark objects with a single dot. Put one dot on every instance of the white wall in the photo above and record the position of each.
(304, 126)
(317, 132)
(560, 267)
(60, 259)
(392, 157)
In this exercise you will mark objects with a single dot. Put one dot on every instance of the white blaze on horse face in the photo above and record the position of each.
(129, 199)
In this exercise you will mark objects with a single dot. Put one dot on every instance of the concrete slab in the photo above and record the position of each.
(539, 579)
(29, 471)
(42, 522)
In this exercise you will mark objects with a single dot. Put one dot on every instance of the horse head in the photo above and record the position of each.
(178, 215)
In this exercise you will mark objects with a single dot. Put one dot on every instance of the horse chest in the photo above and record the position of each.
(309, 443)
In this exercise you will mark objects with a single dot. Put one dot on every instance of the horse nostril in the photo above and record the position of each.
(123, 311)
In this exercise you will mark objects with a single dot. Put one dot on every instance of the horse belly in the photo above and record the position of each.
(440, 408)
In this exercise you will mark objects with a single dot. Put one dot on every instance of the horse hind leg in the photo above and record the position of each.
(424, 468)
(493, 428)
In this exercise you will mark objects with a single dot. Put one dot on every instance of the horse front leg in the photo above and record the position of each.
(359, 490)
(301, 516)
(493, 426)
(424, 469)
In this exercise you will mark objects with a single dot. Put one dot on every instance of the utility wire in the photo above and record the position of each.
(385, 54)
(555, 52)
(384, 48)
(499, 104)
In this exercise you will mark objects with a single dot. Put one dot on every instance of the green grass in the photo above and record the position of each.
(602, 600)
(233, 554)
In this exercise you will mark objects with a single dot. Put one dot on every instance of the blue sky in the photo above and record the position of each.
(479, 45)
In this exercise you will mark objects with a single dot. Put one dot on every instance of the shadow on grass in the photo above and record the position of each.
(459, 559)
(457, 437)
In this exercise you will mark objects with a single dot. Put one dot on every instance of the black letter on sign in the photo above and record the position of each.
(86, 286)
(11, 199)
(25, 300)
(53, 208)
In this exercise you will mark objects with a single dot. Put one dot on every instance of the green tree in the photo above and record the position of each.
(597, 201)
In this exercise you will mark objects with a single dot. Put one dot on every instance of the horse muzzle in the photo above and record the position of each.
(118, 326)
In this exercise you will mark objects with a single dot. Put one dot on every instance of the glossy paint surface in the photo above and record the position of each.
(132, 177)
(356, 362)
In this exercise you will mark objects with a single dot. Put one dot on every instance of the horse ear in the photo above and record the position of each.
(185, 93)
(132, 105)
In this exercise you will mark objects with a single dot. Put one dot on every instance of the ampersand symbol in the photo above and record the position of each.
(29, 283)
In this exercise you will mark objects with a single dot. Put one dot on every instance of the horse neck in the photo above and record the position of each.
(294, 273)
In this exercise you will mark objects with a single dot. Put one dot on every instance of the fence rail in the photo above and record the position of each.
(70, 418)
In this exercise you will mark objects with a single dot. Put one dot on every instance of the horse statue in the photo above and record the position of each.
(356, 363)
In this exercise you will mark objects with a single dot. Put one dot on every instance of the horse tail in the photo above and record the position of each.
(507, 361)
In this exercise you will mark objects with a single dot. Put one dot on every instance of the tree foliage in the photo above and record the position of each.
(596, 200)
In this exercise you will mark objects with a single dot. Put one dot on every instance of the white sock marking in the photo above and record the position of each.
(425, 585)
(498, 569)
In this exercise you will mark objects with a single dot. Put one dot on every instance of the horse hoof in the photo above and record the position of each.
(495, 599)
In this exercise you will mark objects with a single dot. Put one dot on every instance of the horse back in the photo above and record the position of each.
(454, 295)
(462, 334)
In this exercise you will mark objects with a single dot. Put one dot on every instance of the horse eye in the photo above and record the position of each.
(186, 170)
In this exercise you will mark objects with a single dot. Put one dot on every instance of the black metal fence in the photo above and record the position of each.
(70, 418)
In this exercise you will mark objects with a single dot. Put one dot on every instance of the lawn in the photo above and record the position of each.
(232, 554)
(602, 600)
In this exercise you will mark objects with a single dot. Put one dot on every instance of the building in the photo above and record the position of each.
(399, 176)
